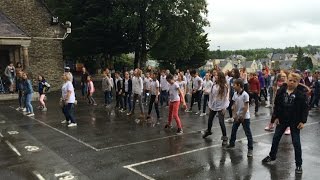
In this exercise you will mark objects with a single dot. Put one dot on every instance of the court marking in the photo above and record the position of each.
(122, 145)
(38, 175)
(13, 148)
(47, 125)
(166, 137)
(130, 166)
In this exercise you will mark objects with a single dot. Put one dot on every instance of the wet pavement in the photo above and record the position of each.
(107, 144)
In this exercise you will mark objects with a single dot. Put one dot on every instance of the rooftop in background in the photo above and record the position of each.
(9, 29)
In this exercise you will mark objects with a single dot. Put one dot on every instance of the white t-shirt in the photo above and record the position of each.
(196, 85)
(67, 86)
(126, 85)
(154, 85)
(137, 85)
(239, 101)
(207, 86)
(217, 102)
(164, 83)
(147, 83)
(173, 92)
(182, 84)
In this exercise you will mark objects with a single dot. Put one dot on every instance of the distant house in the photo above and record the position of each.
(225, 65)
(278, 57)
(251, 66)
(286, 65)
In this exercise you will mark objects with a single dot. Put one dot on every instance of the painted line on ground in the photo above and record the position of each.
(166, 137)
(13, 148)
(55, 129)
(130, 167)
(38, 175)
(140, 173)
(1, 135)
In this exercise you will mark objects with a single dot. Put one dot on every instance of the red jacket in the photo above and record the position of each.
(254, 85)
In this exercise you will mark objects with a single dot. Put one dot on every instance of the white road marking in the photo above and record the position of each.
(32, 148)
(2, 122)
(67, 175)
(140, 173)
(166, 137)
(78, 140)
(1, 135)
(13, 148)
(38, 175)
(130, 167)
(13, 132)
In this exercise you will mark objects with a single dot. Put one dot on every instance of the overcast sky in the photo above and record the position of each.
(249, 24)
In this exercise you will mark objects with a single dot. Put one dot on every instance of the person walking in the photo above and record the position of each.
(137, 88)
(127, 91)
(174, 99)
(90, 91)
(154, 100)
(43, 88)
(28, 93)
(84, 79)
(290, 110)
(241, 115)
(106, 87)
(218, 103)
(67, 100)
(207, 85)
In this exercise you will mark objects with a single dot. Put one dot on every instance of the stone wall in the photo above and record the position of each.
(45, 55)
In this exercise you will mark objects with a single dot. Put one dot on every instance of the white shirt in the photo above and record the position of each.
(196, 85)
(67, 86)
(154, 85)
(147, 82)
(126, 85)
(239, 101)
(217, 102)
(182, 85)
(137, 85)
(173, 92)
(164, 83)
(207, 85)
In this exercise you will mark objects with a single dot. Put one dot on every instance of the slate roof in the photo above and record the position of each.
(9, 28)
(285, 64)
(278, 57)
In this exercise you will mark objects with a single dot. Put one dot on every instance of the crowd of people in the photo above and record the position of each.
(290, 94)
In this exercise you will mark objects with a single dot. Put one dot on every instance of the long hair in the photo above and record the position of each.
(222, 83)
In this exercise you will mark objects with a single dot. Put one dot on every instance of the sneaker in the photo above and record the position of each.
(179, 131)
(158, 122)
(250, 153)
(19, 108)
(229, 120)
(26, 113)
(24, 110)
(287, 132)
(167, 126)
(268, 159)
(224, 140)
(129, 113)
(30, 114)
(230, 146)
(44, 109)
(188, 110)
(269, 127)
(95, 104)
(197, 112)
(298, 170)
(65, 122)
(72, 125)
(203, 114)
(206, 134)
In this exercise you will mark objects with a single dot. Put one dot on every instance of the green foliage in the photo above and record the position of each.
(170, 30)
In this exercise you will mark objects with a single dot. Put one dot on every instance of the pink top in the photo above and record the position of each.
(90, 87)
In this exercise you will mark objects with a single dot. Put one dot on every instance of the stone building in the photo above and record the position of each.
(29, 34)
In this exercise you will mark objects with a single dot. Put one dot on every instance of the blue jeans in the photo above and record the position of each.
(68, 111)
(127, 101)
(84, 89)
(295, 136)
(107, 97)
(21, 100)
(205, 101)
(28, 98)
(164, 97)
(247, 130)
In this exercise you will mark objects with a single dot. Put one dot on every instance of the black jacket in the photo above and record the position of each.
(129, 86)
(300, 106)
(119, 85)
